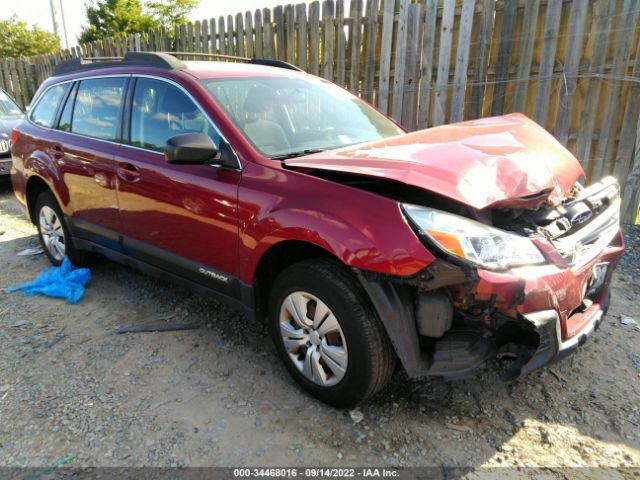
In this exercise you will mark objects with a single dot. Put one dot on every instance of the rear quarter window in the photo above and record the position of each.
(44, 113)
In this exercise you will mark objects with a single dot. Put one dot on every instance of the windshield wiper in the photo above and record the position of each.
(285, 156)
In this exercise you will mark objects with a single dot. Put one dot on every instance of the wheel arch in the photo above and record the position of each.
(34, 187)
(274, 260)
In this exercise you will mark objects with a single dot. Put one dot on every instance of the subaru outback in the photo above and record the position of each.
(363, 246)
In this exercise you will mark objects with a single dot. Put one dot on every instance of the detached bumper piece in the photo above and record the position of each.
(552, 347)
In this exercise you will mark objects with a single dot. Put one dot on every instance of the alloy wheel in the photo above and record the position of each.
(52, 233)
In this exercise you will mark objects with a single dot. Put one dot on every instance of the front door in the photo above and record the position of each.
(181, 218)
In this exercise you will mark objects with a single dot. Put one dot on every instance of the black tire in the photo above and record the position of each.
(78, 258)
(371, 359)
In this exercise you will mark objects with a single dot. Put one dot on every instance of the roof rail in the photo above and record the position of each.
(254, 61)
(163, 60)
(140, 59)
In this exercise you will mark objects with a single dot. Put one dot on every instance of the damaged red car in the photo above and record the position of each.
(282, 194)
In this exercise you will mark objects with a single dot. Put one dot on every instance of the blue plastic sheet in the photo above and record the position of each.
(64, 281)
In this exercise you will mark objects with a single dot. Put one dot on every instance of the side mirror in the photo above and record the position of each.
(190, 149)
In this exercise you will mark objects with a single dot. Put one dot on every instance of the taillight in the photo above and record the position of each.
(14, 137)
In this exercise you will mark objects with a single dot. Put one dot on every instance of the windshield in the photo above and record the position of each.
(8, 106)
(284, 117)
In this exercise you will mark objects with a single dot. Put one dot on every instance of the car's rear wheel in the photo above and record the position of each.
(54, 234)
(327, 334)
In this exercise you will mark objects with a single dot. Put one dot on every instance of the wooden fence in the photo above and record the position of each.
(573, 66)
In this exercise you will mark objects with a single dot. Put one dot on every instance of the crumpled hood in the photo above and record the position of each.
(507, 161)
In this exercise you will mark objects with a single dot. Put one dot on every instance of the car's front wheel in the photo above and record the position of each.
(327, 334)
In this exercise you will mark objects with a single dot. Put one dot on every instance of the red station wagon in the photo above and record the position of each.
(293, 200)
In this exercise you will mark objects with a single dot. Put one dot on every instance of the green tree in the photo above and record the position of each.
(112, 17)
(18, 40)
(168, 13)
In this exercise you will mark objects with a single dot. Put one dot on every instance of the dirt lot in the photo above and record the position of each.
(219, 396)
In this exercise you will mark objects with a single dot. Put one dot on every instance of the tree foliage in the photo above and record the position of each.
(111, 17)
(18, 40)
(117, 17)
(168, 13)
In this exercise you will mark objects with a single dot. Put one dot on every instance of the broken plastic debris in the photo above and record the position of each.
(158, 327)
(30, 251)
(629, 322)
(64, 281)
(459, 428)
(21, 323)
(356, 416)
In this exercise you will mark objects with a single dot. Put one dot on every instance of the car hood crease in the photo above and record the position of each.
(505, 161)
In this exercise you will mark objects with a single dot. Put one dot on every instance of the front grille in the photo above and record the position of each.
(584, 240)
(4, 146)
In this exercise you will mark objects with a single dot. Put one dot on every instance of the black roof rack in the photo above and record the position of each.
(139, 59)
(163, 60)
(254, 61)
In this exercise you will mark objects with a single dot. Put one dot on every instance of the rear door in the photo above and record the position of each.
(181, 218)
(90, 131)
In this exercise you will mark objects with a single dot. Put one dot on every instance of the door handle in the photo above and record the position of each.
(128, 172)
(57, 151)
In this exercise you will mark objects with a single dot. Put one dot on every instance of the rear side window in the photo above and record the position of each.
(97, 108)
(161, 111)
(44, 113)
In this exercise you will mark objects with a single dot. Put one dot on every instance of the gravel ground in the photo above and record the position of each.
(218, 395)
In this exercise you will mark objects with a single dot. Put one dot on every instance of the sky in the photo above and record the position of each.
(74, 12)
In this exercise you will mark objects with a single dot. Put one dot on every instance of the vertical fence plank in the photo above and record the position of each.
(290, 34)
(412, 73)
(240, 36)
(248, 27)
(462, 60)
(601, 32)
(370, 35)
(628, 22)
(340, 43)
(278, 18)
(504, 55)
(631, 200)
(267, 30)
(222, 37)
(444, 60)
(624, 153)
(547, 61)
(314, 37)
(570, 71)
(385, 55)
(328, 37)
(355, 43)
(527, 42)
(231, 47)
(213, 38)
(197, 37)
(426, 68)
(400, 60)
(258, 33)
(301, 20)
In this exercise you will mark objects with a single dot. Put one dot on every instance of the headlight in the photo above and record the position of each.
(474, 241)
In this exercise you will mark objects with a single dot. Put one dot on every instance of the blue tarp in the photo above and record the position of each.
(64, 281)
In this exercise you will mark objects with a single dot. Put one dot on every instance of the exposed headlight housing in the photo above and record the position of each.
(481, 244)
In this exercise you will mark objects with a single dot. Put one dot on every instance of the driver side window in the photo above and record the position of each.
(161, 111)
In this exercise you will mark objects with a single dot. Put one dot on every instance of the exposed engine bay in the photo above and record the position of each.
(459, 325)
